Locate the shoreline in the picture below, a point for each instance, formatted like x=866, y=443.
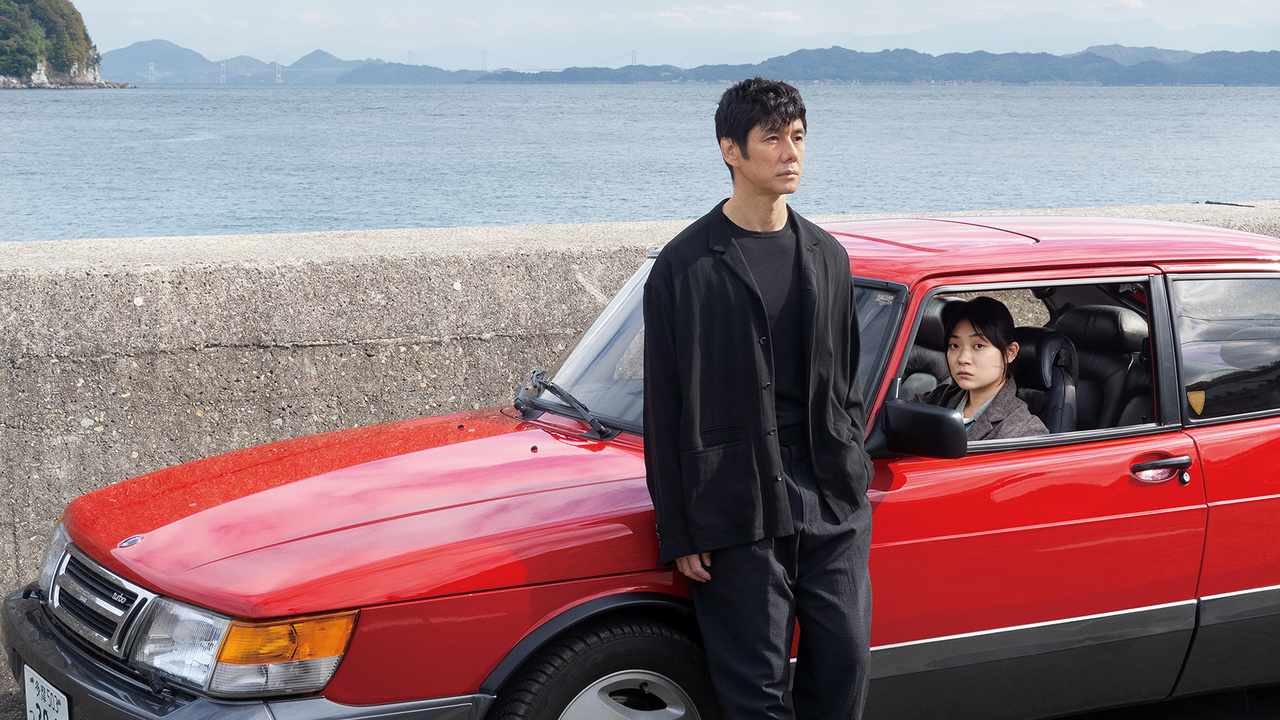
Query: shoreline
x=1257, y=216
x=8, y=83
x=44, y=78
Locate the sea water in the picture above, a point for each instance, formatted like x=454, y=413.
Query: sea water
x=205, y=160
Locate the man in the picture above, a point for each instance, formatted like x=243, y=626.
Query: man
x=754, y=424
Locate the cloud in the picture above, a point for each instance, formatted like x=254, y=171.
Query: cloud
x=685, y=14
x=314, y=19
x=1120, y=5
x=225, y=21
x=722, y=16
x=781, y=16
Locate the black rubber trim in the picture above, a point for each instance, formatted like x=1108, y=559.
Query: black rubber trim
x=1236, y=643
x=1165, y=353
x=576, y=615
x=1033, y=640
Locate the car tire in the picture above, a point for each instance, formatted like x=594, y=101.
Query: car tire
x=632, y=668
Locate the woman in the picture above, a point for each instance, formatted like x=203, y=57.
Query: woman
x=980, y=346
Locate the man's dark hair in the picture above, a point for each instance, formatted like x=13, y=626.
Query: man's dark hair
x=757, y=101
x=990, y=319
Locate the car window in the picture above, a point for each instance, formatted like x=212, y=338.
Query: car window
x=1100, y=330
x=878, y=317
x=1228, y=331
x=605, y=368
x=1026, y=308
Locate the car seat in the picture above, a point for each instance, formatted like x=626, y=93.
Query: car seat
x=1108, y=339
x=927, y=361
x=1047, y=372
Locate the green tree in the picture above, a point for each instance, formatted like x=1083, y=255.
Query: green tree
x=21, y=40
x=50, y=31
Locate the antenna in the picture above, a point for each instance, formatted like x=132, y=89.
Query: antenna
x=278, y=80
x=633, y=58
x=410, y=57
x=151, y=72
x=484, y=61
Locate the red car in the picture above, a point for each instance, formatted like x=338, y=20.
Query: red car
x=501, y=563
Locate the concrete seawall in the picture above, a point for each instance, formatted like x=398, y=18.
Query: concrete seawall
x=124, y=356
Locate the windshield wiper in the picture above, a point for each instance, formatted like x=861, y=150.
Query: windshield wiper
x=538, y=380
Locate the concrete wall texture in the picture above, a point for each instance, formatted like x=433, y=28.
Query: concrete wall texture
x=123, y=356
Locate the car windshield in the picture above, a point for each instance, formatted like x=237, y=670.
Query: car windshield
x=605, y=369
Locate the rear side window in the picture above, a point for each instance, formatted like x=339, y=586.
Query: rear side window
x=1229, y=338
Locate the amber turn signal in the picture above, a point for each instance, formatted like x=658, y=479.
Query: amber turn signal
x=306, y=638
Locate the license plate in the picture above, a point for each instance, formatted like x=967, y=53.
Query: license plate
x=44, y=701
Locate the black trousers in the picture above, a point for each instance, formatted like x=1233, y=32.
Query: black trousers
x=748, y=610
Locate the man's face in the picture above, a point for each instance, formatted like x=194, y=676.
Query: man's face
x=772, y=163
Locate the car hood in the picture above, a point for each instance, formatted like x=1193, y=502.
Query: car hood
x=409, y=510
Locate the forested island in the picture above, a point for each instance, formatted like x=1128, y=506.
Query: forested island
x=43, y=43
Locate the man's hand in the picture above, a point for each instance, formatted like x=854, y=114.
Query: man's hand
x=695, y=566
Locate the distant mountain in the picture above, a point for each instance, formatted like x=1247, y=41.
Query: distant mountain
x=1061, y=34
x=839, y=65
x=132, y=64
x=627, y=74
x=381, y=73
x=160, y=61
x=1228, y=68
x=321, y=60
x=163, y=62
x=1022, y=29
x=245, y=65
x=1133, y=56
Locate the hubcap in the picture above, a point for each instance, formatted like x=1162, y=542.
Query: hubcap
x=632, y=695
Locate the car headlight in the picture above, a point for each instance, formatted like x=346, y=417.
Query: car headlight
x=230, y=658
x=53, y=558
x=180, y=642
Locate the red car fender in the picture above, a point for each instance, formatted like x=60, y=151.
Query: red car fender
x=464, y=644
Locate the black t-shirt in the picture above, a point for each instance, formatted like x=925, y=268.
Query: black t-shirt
x=774, y=260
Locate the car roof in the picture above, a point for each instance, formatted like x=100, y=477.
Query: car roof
x=909, y=249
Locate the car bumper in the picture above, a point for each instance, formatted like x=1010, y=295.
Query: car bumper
x=97, y=691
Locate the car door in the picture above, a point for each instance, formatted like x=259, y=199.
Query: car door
x=1046, y=572
x=1227, y=329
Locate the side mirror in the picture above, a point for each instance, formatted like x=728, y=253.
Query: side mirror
x=913, y=428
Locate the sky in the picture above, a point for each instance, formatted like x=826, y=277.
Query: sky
x=553, y=34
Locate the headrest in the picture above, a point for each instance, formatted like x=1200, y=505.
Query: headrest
x=932, y=335
x=1040, y=350
x=1103, y=327
x=1252, y=348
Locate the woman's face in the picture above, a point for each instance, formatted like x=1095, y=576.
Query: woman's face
x=976, y=365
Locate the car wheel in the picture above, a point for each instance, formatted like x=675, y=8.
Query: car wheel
x=637, y=670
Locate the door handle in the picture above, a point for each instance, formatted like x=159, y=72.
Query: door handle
x=1154, y=472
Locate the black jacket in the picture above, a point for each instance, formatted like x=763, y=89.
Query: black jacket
x=711, y=446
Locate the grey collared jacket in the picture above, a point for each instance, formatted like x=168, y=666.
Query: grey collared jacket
x=1006, y=417
x=711, y=445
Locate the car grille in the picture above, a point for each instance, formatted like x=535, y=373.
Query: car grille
x=95, y=603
